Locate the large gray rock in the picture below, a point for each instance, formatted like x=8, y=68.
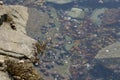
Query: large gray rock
x=15, y=44
x=111, y=51
x=110, y=56
x=12, y=42
x=4, y=76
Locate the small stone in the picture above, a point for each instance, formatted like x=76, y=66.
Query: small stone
x=107, y=50
x=66, y=61
x=76, y=13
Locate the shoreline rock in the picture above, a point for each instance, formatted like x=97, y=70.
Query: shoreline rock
x=15, y=43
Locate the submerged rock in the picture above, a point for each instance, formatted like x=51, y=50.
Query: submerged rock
x=96, y=16
x=59, y=1
x=111, y=51
x=76, y=13
x=111, y=16
x=110, y=56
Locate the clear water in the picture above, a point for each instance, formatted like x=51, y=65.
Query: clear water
x=77, y=40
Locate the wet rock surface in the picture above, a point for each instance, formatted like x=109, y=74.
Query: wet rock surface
x=36, y=20
x=4, y=76
x=110, y=56
x=111, y=51
x=14, y=42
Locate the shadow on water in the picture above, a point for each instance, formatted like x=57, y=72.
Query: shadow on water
x=102, y=72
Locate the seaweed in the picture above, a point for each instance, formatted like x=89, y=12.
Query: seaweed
x=21, y=70
x=39, y=49
x=40, y=46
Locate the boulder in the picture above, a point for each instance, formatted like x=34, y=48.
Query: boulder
x=4, y=76
x=14, y=42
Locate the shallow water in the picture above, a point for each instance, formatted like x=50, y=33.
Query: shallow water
x=75, y=41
